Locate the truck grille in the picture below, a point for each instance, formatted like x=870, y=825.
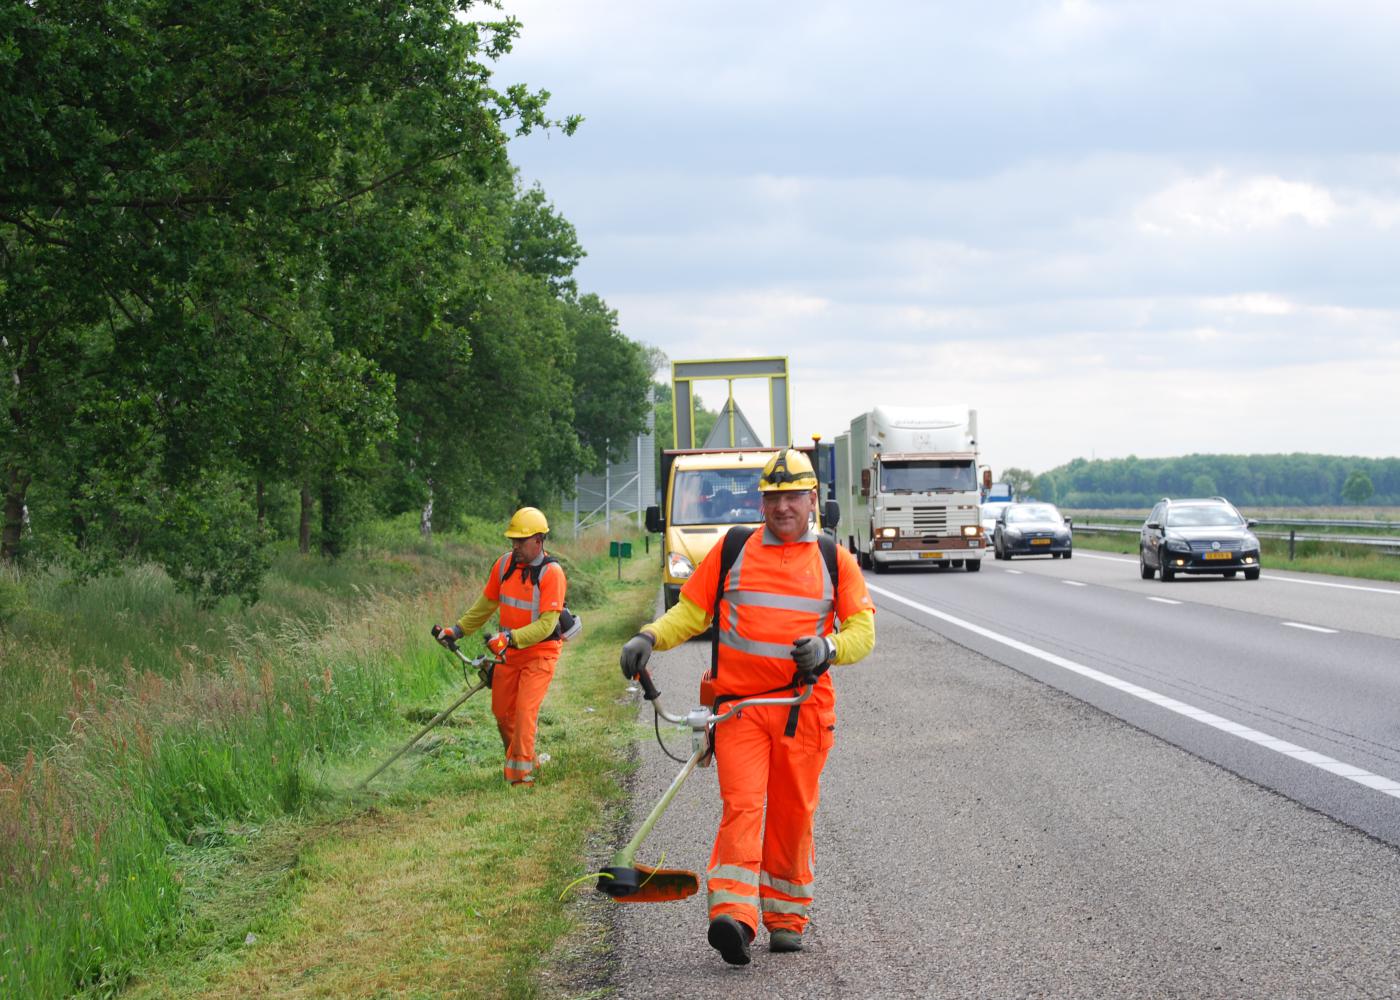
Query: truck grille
x=931, y=520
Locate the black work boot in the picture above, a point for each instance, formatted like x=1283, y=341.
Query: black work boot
x=731, y=939
x=782, y=939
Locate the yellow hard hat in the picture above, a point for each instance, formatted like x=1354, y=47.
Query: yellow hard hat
x=789, y=469
x=527, y=521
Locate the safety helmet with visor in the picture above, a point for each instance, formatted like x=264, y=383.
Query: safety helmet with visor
x=788, y=470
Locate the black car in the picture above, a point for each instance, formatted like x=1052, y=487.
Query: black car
x=1197, y=536
x=1032, y=529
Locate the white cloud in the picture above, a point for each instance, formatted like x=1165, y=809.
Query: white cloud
x=1219, y=204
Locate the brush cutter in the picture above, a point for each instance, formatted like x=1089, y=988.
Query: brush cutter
x=625, y=880
x=483, y=665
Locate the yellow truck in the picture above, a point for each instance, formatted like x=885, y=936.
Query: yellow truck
x=705, y=492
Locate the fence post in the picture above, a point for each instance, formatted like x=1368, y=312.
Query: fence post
x=1292, y=538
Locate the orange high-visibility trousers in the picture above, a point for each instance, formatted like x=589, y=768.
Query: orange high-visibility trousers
x=518, y=687
x=763, y=864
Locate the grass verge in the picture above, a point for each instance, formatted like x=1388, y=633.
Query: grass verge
x=442, y=883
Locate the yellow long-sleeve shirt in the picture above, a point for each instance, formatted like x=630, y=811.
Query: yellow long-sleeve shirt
x=479, y=613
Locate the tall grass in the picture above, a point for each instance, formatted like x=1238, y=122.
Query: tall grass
x=131, y=721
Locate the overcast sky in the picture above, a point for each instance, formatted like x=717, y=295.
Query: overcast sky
x=1112, y=228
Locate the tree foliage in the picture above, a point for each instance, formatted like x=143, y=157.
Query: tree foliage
x=278, y=249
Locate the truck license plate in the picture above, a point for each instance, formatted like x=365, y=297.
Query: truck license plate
x=930, y=555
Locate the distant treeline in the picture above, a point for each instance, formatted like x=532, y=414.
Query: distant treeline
x=1258, y=480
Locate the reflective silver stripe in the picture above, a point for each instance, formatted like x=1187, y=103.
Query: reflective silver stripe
x=790, y=888
x=779, y=650
x=520, y=765
x=515, y=602
x=771, y=905
x=787, y=602
x=737, y=873
x=717, y=896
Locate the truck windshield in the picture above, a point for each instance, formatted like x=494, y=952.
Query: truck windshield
x=928, y=477
x=717, y=496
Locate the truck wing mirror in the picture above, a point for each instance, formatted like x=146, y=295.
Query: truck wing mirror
x=831, y=515
x=865, y=482
x=654, y=522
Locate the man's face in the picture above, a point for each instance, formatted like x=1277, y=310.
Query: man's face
x=527, y=550
x=788, y=512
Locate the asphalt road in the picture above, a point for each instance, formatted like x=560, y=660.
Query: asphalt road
x=1298, y=675
x=985, y=834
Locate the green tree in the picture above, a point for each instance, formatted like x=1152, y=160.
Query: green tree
x=1358, y=487
x=1021, y=481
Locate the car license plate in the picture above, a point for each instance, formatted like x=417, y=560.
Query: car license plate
x=1220, y=555
x=930, y=555
x=1040, y=541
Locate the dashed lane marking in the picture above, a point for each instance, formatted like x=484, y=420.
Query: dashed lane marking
x=1073, y=583
x=1310, y=628
x=1163, y=600
x=1331, y=765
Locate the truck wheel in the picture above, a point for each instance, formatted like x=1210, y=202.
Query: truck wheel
x=865, y=561
x=973, y=565
x=877, y=566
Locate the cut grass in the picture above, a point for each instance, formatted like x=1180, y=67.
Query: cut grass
x=450, y=882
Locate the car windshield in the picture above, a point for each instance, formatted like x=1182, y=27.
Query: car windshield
x=1202, y=516
x=1032, y=512
x=953, y=476
x=717, y=496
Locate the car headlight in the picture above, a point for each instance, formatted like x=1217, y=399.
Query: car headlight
x=679, y=566
x=1178, y=545
x=971, y=530
x=889, y=532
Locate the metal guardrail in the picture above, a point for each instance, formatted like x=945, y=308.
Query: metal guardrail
x=1384, y=543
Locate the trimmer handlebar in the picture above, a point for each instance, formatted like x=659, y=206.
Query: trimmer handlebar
x=703, y=717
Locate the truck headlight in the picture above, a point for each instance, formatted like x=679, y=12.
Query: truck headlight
x=679, y=566
x=889, y=532
x=971, y=530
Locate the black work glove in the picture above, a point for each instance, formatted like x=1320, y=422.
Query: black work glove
x=635, y=653
x=812, y=654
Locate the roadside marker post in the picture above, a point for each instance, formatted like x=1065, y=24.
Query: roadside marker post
x=620, y=551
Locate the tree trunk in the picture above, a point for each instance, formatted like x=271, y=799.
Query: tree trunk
x=16, y=487
x=425, y=518
x=330, y=520
x=304, y=531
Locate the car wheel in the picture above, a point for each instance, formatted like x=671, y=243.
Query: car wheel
x=1145, y=571
x=1069, y=553
x=1251, y=574
x=1168, y=574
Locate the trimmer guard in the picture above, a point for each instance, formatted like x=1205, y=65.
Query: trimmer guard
x=642, y=884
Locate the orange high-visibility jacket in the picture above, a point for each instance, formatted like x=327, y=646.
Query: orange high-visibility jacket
x=521, y=602
x=776, y=592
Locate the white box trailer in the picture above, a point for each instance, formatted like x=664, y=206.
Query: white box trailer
x=908, y=478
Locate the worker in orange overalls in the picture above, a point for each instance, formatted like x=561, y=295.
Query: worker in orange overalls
x=528, y=586
x=775, y=628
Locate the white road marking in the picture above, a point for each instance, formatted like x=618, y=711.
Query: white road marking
x=1073, y=583
x=1017, y=572
x=1310, y=628
x=1338, y=586
x=1163, y=600
x=1351, y=772
x=1270, y=577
